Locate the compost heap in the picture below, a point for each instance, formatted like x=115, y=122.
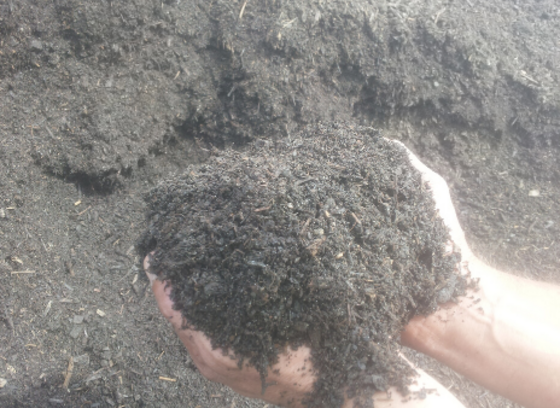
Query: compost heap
x=326, y=239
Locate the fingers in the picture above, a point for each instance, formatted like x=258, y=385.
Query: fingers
x=212, y=364
x=196, y=343
x=151, y=276
x=289, y=379
x=442, y=199
x=162, y=293
x=425, y=392
x=219, y=367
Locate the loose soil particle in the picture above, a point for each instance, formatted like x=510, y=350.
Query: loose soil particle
x=327, y=240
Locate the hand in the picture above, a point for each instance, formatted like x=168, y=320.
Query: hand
x=419, y=327
x=504, y=335
x=291, y=382
x=291, y=378
x=444, y=205
x=294, y=378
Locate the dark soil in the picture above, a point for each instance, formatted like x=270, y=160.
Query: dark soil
x=101, y=100
x=327, y=239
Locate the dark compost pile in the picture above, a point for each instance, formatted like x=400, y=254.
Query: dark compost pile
x=327, y=239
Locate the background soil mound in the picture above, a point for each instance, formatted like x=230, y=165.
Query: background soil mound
x=327, y=240
x=139, y=77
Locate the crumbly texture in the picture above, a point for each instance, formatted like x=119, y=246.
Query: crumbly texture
x=327, y=239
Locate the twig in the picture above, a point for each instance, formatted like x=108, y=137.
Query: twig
x=528, y=78
x=84, y=211
x=243, y=9
x=439, y=13
x=69, y=373
x=44, y=246
x=289, y=22
x=49, y=131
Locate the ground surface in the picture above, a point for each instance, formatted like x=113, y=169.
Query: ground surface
x=101, y=100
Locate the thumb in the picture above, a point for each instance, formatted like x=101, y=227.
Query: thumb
x=442, y=199
x=162, y=293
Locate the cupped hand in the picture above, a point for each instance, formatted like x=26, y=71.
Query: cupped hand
x=288, y=381
x=442, y=198
x=291, y=379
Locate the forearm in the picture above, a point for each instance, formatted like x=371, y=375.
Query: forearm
x=505, y=336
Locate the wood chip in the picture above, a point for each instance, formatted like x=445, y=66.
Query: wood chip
x=84, y=211
x=22, y=272
x=242, y=10
x=100, y=312
x=16, y=260
x=69, y=268
x=167, y=379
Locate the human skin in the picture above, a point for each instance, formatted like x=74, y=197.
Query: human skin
x=291, y=383
x=295, y=377
x=505, y=336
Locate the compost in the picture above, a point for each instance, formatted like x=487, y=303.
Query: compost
x=327, y=239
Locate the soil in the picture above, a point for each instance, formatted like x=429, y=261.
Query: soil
x=102, y=100
x=326, y=240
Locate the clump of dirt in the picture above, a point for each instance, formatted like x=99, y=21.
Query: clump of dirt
x=327, y=240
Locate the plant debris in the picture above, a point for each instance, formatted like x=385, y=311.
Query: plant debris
x=327, y=240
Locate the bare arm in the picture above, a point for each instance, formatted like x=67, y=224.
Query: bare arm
x=505, y=336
